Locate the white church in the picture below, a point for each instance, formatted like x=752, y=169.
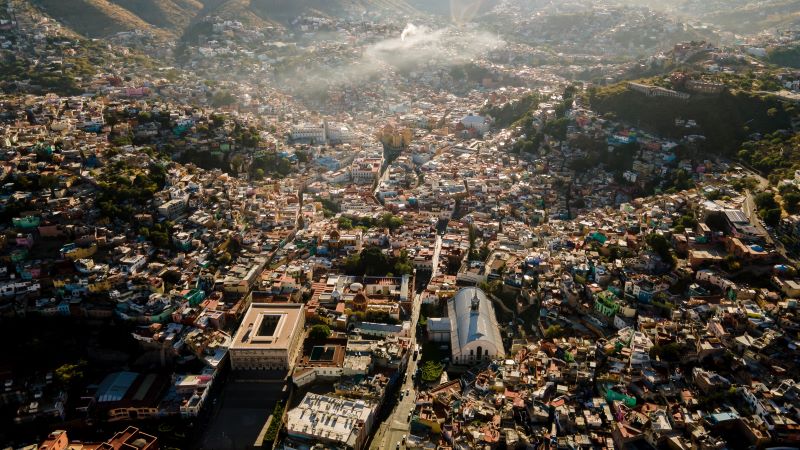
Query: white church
x=470, y=327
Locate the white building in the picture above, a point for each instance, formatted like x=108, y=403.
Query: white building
x=439, y=329
x=365, y=171
x=331, y=421
x=173, y=208
x=324, y=133
x=715, y=279
x=382, y=330
x=308, y=131
x=133, y=263
x=479, y=123
x=194, y=389
x=339, y=134
x=474, y=334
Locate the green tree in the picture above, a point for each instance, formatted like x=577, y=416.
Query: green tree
x=731, y=263
x=494, y=287
x=772, y=217
x=112, y=120
x=49, y=181
x=160, y=239
x=791, y=201
x=661, y=246
x=668, y=352
x=528, y=146
x=68, y=374
x=319, y=331
x=274, y=425
x=330, y=205
x=222, y=98
x=371, y=261
x=390, y=221
x=352, y=265
x=380, y=317
x=432, y=371
x=765, y=200
x=374, y=261
x=682, y=180
x=345, y=223
x=402, y=265
x=557, y=128
x=687, y=222
x=484, y=252
x=217, y=120
x=553, y=331
x=225, y=258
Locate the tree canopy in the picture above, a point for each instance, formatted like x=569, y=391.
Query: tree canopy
x=432, y=371
x=319, y=331
x=661, y=246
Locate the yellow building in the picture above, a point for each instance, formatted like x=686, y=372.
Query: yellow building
x=101, y=285
x=75, y=253
x=394, y=136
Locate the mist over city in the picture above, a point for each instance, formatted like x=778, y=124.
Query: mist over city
x=400, y=224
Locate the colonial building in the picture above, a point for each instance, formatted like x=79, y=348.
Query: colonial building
x=474, y=334
x=269, y=337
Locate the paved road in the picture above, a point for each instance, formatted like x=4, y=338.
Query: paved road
x=749, y=207
x=752, y=214
x=391, y=431
x=437, y=249
x=239, y=416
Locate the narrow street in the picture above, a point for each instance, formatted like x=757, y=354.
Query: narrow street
x=391, y=431
x=436, y=251
x=751, y=211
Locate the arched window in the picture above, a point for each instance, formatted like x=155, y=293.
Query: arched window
x=480, y=352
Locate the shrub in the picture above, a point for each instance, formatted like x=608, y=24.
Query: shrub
x=275, y=425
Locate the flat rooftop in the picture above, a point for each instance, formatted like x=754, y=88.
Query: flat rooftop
x=268, y=325
x=328, y=417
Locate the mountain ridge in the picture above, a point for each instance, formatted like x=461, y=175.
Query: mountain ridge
x=171, y=18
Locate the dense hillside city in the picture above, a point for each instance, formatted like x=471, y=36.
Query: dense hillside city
x=399, y=224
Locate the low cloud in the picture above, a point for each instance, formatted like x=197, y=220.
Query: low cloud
x=420, y=46
x=415, y=48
